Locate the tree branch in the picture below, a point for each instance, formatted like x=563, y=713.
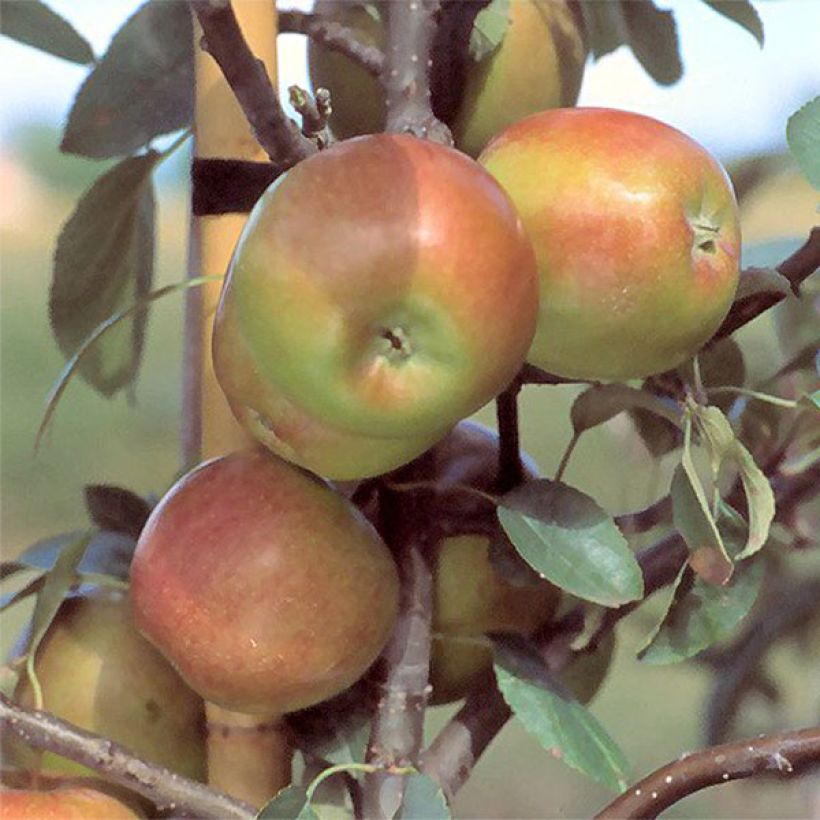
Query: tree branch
x=398, y=724
x=782, y=755
x=250, y=83
x=161, y=786
x=334, y=37
x=406, y=74
x=459, y=745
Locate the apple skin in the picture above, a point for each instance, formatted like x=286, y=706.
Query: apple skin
x=265, y=588
x=538, y=65
x=384, y=286
x=289, y=431
x=61, y=804
x=98, y=672
x=635, y=228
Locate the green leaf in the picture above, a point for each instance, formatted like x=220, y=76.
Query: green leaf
x=489, y=28
x=741, y=12
x=423, y=799
x=559, y=723
x=759, y=500
x=103, y=329
x=692, y=517
x=9, y=568
x=143, y=87
x=653, y=37
x=568, y=539
x=108, y=553
x=9, y=678
x=604, y=25
x=702, y=614
x=57, y=583
x=811, y=401
x=603, y=402
x=291, y=803
x=104, y=260
x=32, y=587
x=803, y=136
x=35, y=24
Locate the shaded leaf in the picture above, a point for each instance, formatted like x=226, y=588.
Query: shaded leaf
x=604, y=25
x=9, y=678
x=104, y=260
x=568, y=539
x=759, y=281
x=35, y=24
x=602, y=402
x=489, y=28
x=559, y=723
x=116, y=509
x=803, y=136
x=741, y=12
x=103, y=329
x=423, y=799
x=107, y=554
x=702, y=614
x=58, y=581
x=291, y=803
x=143, y=87
x=811, y=401
x=653, y=37
x=9, y=568
x=32, y=587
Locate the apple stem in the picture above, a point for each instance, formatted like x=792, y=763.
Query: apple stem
x=510, y=468
x=247, y=756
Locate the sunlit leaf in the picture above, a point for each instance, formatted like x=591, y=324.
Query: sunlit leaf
x=489, y=28
x=567, y=538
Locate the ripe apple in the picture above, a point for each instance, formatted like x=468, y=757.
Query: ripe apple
x=635, y=228
x=266, y=588
x=98, y=672
x=538, y=65
x=289, y=431
x=61, y=804
x=384, y=287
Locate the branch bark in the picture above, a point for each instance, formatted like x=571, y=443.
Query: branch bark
x=250, y=83
x=406, y=74
x=334, y=37
x=510, y=466
x=168, y=790
x=398, y=723
x=783, y=755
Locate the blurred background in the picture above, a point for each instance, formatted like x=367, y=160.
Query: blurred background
x=734, y=98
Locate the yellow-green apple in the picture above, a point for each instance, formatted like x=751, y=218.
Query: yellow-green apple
x=539, y=64
x=384, y=287
x=266, y=588
x=66, y=803
x=635, y=228
x=288, y=430
x=98, y=672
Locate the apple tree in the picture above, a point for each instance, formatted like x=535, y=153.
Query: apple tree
x=439, y=228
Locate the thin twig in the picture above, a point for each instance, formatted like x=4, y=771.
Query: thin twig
x=783, y=755
x=334, y=37
x=250, y=83
x=398, y=723
x=161, y=786
x=406, y=74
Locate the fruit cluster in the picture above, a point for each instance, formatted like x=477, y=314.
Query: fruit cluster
x=382, y=291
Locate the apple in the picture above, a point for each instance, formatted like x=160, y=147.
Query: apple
x=384, y=288
x=289, y=431
x=65, y=803
x=263, y=586
x=635, y=229
x=538, y=65
x=97, y=672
